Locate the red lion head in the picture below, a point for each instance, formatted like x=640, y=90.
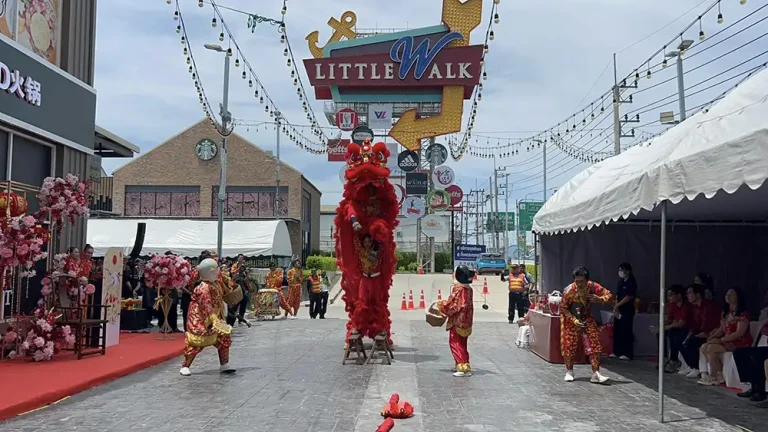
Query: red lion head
x=367, y=162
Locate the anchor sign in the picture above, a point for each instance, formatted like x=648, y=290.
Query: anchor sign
x=402, y=51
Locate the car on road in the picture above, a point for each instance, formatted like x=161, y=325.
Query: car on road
x=490, y=263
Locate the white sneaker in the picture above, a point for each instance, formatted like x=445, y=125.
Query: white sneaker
x=185, y=371
x=625, y=358
x=706, y=380
x=684, y=369
x=467, y=374
x=293, y=317
x=225, y=368
x=598, y=378
x=694, y=373
x=569, y=376
x=613, y=356
x=459, y=374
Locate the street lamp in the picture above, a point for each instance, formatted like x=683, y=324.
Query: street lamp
x=225, y=117
x=684, y=45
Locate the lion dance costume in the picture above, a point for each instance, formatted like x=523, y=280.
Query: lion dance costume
x=205, y=319
x=365, y=245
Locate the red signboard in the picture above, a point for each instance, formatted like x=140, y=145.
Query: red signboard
x=459, y=66
x=346, y=119
x=337, y=148
x=456, y=194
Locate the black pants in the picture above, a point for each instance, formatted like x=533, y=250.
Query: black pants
x=148, y=303
x=243, y=306
x=315, y=304
x=690, y=351
x=173, y=315
x=750, y=364
x=623, y=337
x=323, y=304
x=517, y=301
x=185, y=300
x=675, y=338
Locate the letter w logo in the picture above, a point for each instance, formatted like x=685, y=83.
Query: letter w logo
x=402, y=51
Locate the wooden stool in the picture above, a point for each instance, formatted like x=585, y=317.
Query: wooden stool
x=355, y=344
x=380, y=344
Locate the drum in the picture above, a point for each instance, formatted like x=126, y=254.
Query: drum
x=267, y=304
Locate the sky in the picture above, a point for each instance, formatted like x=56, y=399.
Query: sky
x=548, y=60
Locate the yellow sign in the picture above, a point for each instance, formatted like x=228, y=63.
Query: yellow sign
x=409, y=131
x=341, y=29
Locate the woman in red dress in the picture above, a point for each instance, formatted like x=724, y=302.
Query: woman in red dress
x=733, y=333
x=460, y=312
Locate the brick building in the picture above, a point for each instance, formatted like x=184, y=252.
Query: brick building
x=179, y=179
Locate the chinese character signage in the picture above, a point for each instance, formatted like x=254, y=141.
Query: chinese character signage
x=23, y=87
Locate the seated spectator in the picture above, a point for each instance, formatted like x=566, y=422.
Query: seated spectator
x=733, y=333
x=705, y=319
x=752, y=364
x=678, y=313
x=705, y=280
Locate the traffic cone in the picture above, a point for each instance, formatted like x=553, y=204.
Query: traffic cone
x=485, y=286
x=475, y=278
x=421, y=270
x=410, y=300
x=439, y=295
x=421, y=301
x=403, y=306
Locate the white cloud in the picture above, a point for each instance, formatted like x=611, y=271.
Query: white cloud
x=545, y=57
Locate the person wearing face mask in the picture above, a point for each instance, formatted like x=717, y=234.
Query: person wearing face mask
x=624, y=314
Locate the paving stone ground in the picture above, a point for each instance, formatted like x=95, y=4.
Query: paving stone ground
x=290, y=378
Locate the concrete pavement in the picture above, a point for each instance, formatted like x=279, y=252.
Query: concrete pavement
x=290, y=378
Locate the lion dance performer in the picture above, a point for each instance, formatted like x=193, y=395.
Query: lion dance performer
x=460, y=312
x=274, y=280
x=577, y=323
x=205, y=320
x=365, y=245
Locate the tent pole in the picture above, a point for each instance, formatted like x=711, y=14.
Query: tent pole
x=662, y=295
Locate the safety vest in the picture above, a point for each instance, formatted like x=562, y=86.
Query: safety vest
x=316, y=284
x=516, y=283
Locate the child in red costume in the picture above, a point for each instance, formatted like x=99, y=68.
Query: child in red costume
x=460, y=311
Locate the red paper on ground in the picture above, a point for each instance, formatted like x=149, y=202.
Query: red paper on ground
x=29, y=385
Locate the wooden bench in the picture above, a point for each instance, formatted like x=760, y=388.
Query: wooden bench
x=355, y=344
x=381, y=346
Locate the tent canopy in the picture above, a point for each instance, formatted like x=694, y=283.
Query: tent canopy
x=190, y=237
x=719, y=150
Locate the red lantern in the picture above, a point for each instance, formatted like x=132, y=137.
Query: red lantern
x=16, y=204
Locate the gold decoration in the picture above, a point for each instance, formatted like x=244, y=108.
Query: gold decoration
x=198, y=341
x=409, y=131
x=462, y=18
x=341, y=29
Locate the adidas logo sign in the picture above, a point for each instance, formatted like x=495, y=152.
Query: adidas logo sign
x=408, y=162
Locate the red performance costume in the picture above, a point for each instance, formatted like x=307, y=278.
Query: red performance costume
x=459, y=309
x=295, y=282
x=578, y=325
x=274, y=280
x=365, y=223
x=205, y=319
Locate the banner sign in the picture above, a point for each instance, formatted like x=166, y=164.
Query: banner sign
x=380, y=116
x=111, y=290
x=438, y=200
x=408, y=160
x=434, y=226
x=467, y=254
x=360, y=134
x=416, y=183
x=337, y=148
x=456, y=194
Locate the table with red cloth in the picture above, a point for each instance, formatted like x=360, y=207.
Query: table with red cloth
x=545, y=338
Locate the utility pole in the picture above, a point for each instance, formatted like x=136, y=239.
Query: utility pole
x=225, y=116
x=616, y=115
x=544, y=170
x=277, y=164
x=496, y=204
x=431, y=188
x=506, y=214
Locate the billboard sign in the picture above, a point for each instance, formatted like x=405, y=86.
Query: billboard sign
x=527, y=211
x=456, y=194
x=416, y=183
x=346, y=119
x=443, y=176
x=414, y=207
x=380, y=116
x=467, y=254
x=337, y=149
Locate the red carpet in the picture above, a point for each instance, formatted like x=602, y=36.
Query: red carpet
x=28, y=385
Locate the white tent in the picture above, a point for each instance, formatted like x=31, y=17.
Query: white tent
x=620, y=209
x=190, y=237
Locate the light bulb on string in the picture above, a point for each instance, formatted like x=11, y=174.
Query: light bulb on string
x=221, y=37
x=237, y=62
x=702, y=36
x=189, y=61
x=213, y=22
x=285, y=52
x=168, y=1
x=719, y=14
x=491, y=35
x=496, y=18
x=250, y=83
x=229, y=52
x=648, y=75
x=175, y=15
x=178, y=29
x=282, y=38
x=664, y=64
x=497, y=1
x=485, y=49
x=200, y=3
x=283, y=10
x=244, y=75
x=288, y=63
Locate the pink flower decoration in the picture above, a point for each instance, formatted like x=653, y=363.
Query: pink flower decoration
x=90, y=289
x=10, y=337
x=6, y=253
